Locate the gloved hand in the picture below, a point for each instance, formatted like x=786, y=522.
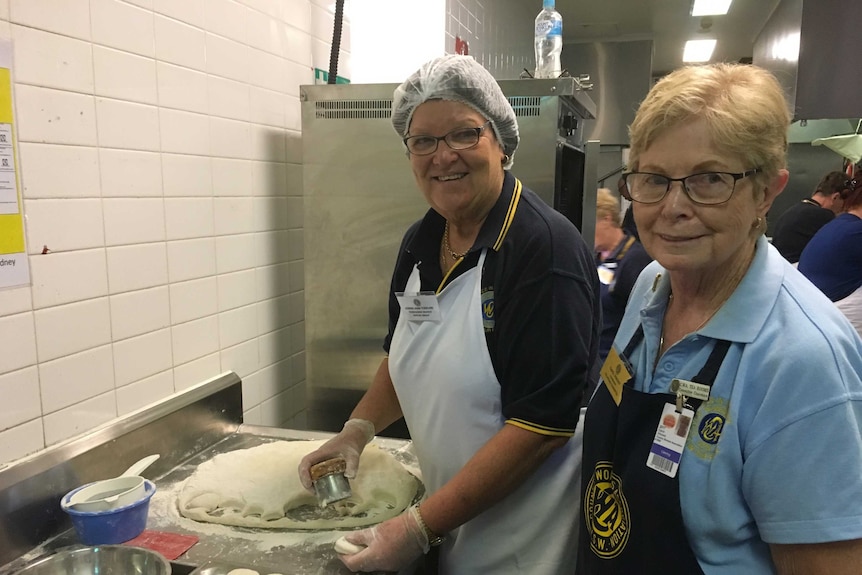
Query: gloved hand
x=349, y=443
x=390, y=546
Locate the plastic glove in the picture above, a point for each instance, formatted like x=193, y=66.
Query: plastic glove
x=390, y=546
x=349, y=443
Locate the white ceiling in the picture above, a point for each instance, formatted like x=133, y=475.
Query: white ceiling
x=668, y=23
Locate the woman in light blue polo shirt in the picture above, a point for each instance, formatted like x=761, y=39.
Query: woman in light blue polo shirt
x=727, y=437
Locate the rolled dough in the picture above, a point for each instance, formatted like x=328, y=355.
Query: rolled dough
x=259, y=487
x=345, y=547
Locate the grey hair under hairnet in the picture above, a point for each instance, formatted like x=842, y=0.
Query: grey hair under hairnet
x=459, y=79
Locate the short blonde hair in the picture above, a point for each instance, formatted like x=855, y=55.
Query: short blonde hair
x=743, y=105
x=607, y=204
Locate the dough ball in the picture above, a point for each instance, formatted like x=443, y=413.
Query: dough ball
x=242, y=571
x=345, y=547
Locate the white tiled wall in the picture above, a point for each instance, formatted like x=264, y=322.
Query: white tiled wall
x=499, y=33
x=160, y=168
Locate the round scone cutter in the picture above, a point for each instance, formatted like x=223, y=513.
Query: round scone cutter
x=330, y=484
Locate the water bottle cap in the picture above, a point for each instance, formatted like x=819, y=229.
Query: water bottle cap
x=547, y=4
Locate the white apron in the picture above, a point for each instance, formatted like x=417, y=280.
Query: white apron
x=450, y=398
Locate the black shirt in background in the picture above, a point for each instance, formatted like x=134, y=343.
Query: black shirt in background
x=629, y=226
x=796, y=227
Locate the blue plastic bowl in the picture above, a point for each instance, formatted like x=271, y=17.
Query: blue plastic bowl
x=111, y=526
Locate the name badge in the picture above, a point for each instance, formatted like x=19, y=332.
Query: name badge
x=690, y=389
x=420, y=306
x=669, y=441
x=606, y=273
x=615, y=373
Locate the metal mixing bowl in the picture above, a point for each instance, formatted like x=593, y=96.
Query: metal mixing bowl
x=101, y=560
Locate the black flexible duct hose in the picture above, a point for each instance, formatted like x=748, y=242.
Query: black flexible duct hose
x=336, y=42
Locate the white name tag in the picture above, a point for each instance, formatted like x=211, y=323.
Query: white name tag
x=690, y=389
x=669, y=441
x=421, y=306
x=606, y=273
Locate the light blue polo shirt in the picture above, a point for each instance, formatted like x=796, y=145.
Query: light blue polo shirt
x=775, y=454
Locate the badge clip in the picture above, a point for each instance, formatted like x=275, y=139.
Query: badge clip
x=680, y=402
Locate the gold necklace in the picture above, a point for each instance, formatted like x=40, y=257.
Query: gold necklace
x=735, y=279
x=455, y=256
x=703, y=323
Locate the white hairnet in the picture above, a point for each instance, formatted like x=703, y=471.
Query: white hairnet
x=459, y=79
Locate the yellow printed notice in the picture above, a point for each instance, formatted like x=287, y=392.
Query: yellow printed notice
x=14, y=265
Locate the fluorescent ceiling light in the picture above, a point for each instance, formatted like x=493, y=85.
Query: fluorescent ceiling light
x=710, y=7
x=698, y=50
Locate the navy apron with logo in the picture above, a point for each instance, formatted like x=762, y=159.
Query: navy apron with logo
x=631, y=517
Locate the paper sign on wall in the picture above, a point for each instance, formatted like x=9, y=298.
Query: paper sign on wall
x=14, y=265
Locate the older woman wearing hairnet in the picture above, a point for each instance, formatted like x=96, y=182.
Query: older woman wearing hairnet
x=489, y=391
x=727, y=436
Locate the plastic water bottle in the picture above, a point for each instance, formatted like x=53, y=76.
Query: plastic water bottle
x=548, y=41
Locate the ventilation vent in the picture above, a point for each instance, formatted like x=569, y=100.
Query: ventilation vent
x=372, y=109
x=526, y=105
x=353, y=109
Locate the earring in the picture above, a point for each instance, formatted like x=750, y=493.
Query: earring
x=505, y=159
x=758, y=222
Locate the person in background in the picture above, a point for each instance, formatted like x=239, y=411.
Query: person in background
x=725, y=435
x=798, y=224
x=490, y=381
x=620, y=257
x=628, y=224
x=832, y=260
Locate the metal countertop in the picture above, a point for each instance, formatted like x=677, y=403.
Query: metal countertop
x=187, y=429
x=264, y=550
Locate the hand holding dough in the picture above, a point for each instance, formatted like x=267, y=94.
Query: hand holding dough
x=345, y=547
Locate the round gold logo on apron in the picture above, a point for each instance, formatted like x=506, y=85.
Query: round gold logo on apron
x=606, y=511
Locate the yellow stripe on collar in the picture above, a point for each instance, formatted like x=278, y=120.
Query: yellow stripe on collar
x=507, y=223
x=510, y=214
x=446, y=277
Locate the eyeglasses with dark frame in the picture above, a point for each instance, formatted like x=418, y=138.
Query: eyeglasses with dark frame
x=705, y=188
x=458, y=139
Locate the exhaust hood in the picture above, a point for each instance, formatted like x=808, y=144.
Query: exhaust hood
x=813, y=47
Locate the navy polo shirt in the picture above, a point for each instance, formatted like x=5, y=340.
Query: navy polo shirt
x=543, y=333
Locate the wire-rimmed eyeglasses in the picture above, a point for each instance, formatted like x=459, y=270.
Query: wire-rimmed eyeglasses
x=705, y=188
x=458, y=139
